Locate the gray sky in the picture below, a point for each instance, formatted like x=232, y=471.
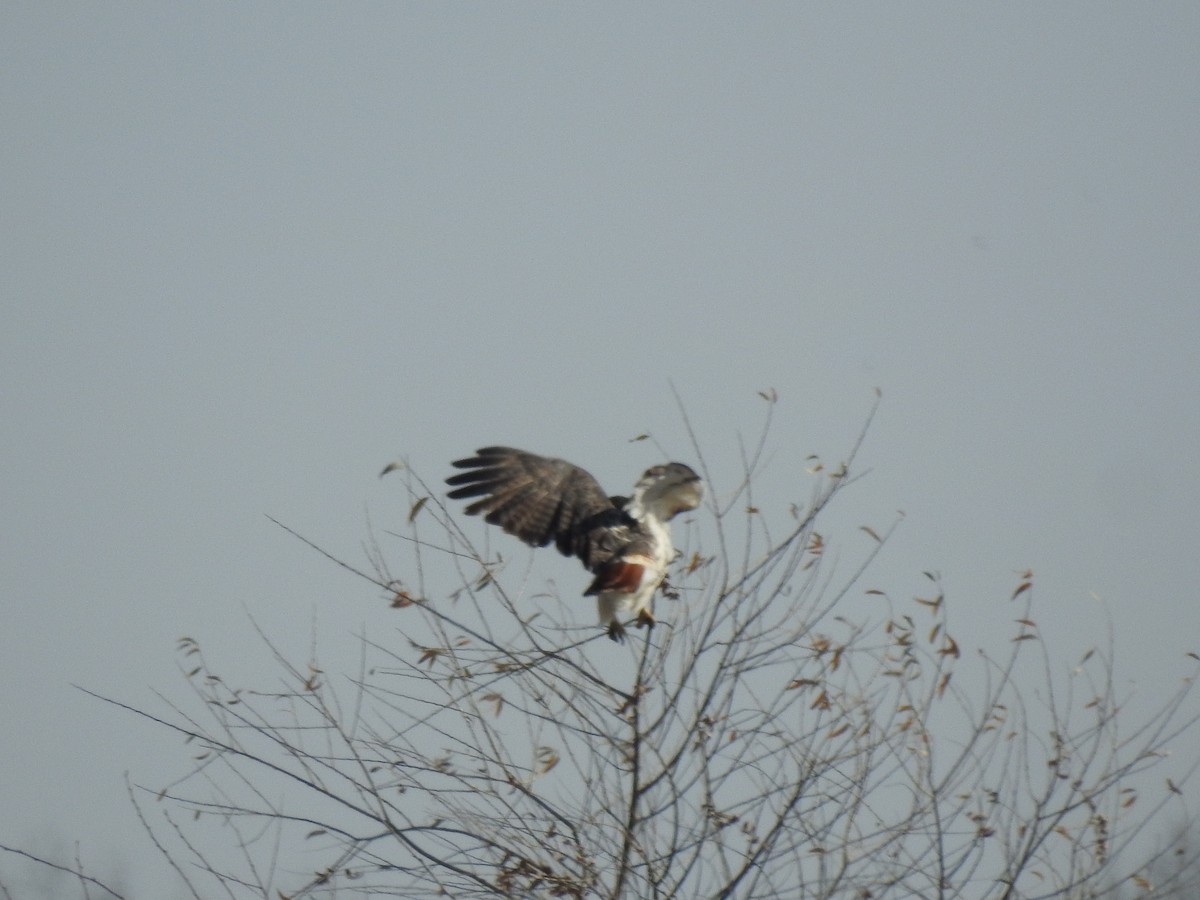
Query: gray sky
x=254, y=252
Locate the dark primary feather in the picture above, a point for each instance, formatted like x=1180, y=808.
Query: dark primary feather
x=539, y=499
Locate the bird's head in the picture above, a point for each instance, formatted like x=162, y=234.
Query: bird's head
x=668, y=490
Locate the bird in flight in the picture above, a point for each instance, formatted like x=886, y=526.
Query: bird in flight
x=625, y=542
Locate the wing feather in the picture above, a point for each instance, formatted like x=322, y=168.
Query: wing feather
x=539, y=499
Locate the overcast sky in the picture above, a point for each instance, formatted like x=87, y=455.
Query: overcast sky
x=252, y=252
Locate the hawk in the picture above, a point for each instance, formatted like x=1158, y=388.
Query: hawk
x=624, y=542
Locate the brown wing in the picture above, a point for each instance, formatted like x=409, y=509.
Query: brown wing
x=539, y=499
x=622, y=571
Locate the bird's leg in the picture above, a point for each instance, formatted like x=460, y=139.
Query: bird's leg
x=645, y=619
x=667, y=591
x=616, y=631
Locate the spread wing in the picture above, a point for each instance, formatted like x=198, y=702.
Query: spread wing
x=539, y=499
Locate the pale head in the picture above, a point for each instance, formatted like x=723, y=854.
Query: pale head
x=667, y=490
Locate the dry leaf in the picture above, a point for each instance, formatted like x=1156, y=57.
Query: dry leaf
x=497, y=699
x=429, y=654
x=801, y=682
x=416, y=508
x=941, y=688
